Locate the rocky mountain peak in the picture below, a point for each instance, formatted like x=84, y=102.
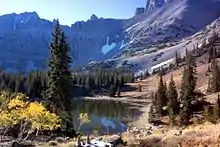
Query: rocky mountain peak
x=139, y=11
x=94, y=17
x=152, y=4
x=28, y=16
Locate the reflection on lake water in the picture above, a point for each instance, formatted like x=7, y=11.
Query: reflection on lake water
x=106, y=117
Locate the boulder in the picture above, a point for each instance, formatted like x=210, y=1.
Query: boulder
x=116, y=140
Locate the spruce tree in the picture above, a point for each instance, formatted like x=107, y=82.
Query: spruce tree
x=216, y=110
x=172, y=100
x=147, y=74
x=210, y=53
x=3, y=85
x=177, y=58
x=166, y=90
x=118, y=92
x=112, y=91
x=161, y=97
x=152, y=112
x=215, y=76
x=188, y=89
x=59, y=92
x=162, y=92
x=139, y=88
x=209, y=85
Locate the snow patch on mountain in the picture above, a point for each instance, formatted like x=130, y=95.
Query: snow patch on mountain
x=131, y=27
x=162, y=64
x=106, y=48
x=123, y=44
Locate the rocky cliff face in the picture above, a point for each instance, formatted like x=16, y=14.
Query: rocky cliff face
x=170, y=22
x=139, y=11
x=24, y=40
x=152, y=4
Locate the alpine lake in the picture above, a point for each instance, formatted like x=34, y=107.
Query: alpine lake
x=105, y=117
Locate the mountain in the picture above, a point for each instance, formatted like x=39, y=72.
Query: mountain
x=25, y=37
x=171, y=22
x=152, y=4
x=157, y=34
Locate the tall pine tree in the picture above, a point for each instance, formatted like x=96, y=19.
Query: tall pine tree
x=216, y=110
x=161, y=97
x=60, y=84
x=215, y=76
x=188, y=89
x=172, y=100
x=177, y=58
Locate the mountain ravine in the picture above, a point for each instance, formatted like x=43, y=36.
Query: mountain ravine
x=25, y=37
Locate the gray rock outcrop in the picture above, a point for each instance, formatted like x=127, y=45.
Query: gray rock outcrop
x=139, y=11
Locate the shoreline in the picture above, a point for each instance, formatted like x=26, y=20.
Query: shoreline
x=119, y=99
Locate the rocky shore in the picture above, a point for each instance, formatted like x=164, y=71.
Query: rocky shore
x=122, y=99
x=143, y=132
x=132, y=132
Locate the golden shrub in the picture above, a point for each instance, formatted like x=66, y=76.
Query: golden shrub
x=34, y=113
x=16, y=104
x=84, y=118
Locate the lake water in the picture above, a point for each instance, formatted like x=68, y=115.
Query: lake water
x=106, y=117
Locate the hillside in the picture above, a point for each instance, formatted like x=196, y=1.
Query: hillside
x=155, y=56
x=199, y=133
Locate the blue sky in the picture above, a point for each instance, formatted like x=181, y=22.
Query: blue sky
x=69, y=11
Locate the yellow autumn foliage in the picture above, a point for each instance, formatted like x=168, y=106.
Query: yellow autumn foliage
x=16, y=103
x=8, y=119
x=40, y=117
x=17, y=110
x=84, y=118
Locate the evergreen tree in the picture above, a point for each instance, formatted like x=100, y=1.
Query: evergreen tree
x=172, y=96
x=162, y=71
x=210, y=53
x=3, y=85
x=209, y=85
x=11, y=85
x=177, y=58
x=112, y=91
x=147, y=74
x=166, y=90
x=216, y=109
x=121, y=80
x=139, y=88
x=59, y=92
x=162, y=92
x=152, y=112
x=172, y=100
x=19, y=87
x=118, y=92
x=188, y=89
x=161, y=98
x=215, y=76
x=141, y=76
